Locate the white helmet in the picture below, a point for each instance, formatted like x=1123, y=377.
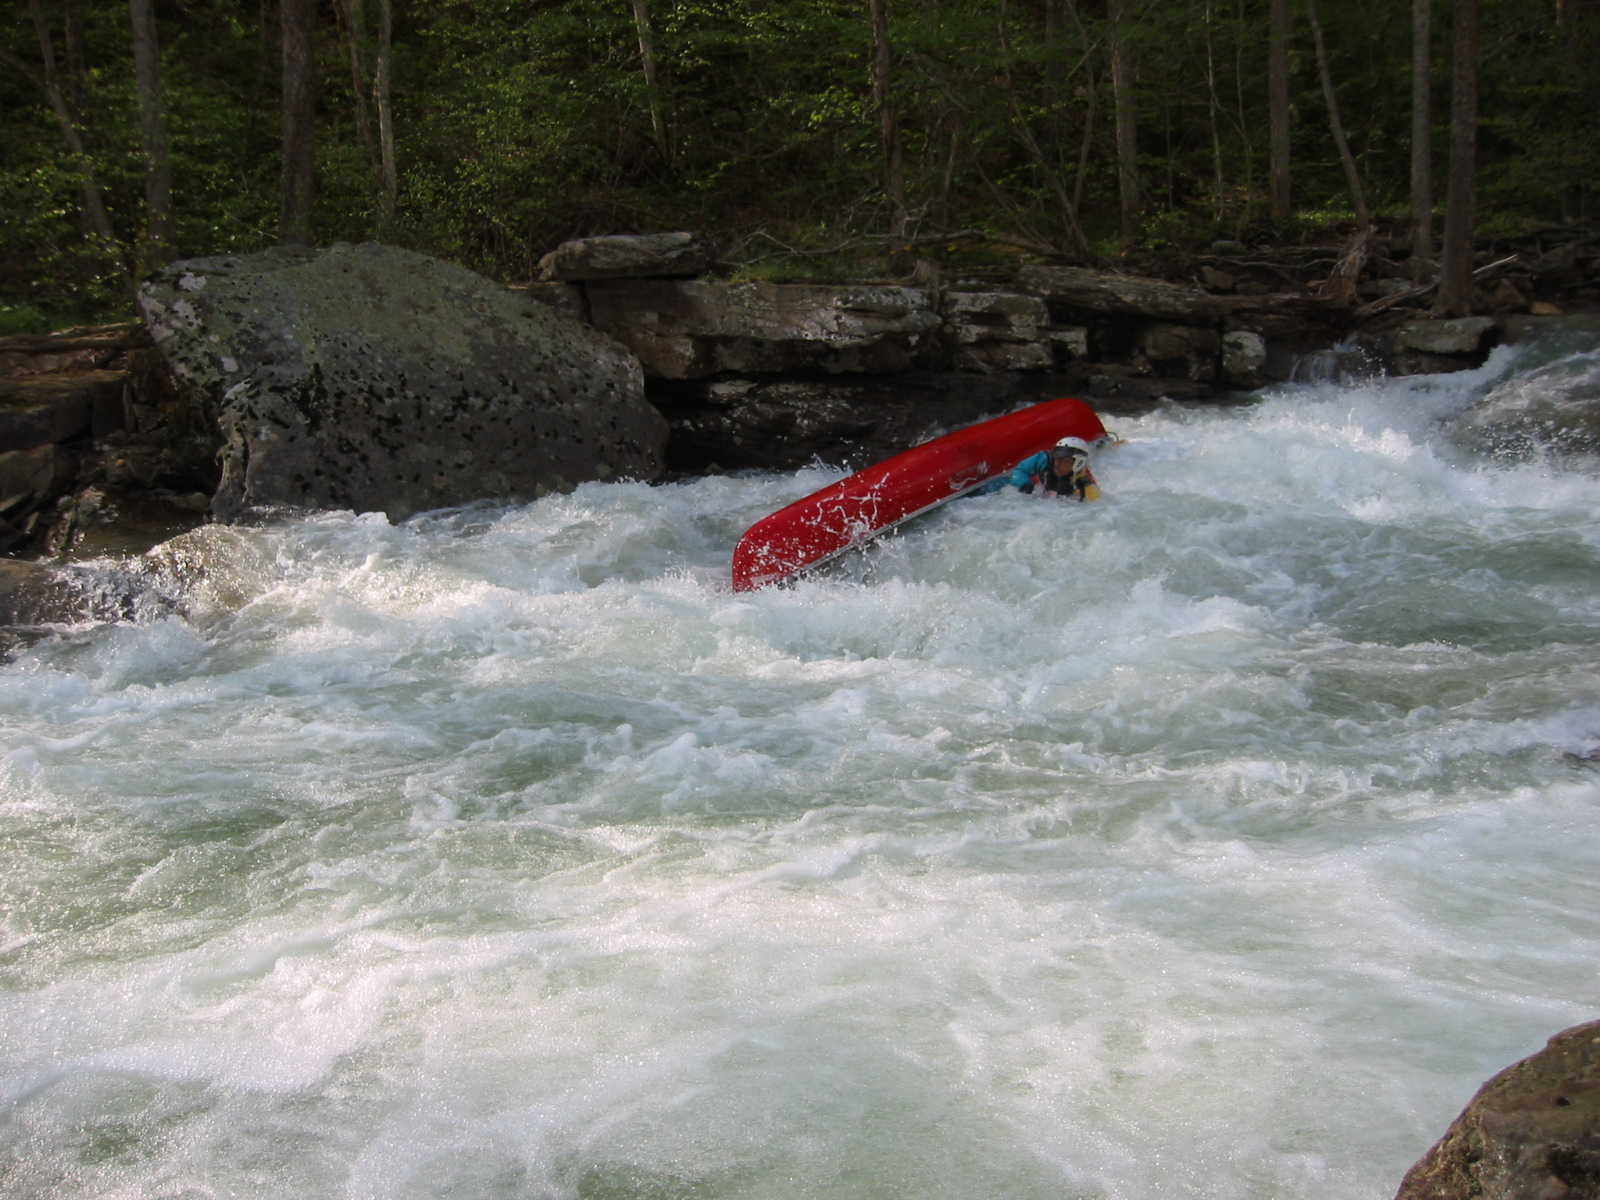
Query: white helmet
x=1077, y=445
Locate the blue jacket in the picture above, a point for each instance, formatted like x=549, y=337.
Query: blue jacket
x=1033, y=473
x=1020, y=476
x=1025, y=472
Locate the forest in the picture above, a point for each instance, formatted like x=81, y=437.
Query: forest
x=804, y=136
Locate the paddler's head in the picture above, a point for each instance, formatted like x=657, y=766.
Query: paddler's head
x=1070, y=458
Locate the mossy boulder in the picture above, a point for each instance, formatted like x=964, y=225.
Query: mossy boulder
x=375, y=379
x=1531, y=1133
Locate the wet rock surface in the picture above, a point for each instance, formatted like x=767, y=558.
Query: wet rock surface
x=1531, y=1133
x=375, y=379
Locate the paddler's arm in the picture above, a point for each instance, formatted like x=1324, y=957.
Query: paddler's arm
x=1022, y=474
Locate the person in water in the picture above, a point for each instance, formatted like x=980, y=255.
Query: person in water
x=1063, y=470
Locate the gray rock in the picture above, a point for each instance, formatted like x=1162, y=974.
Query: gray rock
x=372, y=378
x=45, y=408
x=1460, y=335
x=1531, y=1133
x=1083, y=290
x=1244, y=359
x=628, y=256
x=997, y=331
x=32, y=594
x=694, y=329
x=1177, y=351
x=27, y=475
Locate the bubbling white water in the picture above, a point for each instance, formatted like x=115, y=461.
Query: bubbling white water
x=1212, y=840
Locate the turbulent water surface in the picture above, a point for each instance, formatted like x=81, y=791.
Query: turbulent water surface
x=1213, y=841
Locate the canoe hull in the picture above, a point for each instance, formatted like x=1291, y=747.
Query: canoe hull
x=854, y=510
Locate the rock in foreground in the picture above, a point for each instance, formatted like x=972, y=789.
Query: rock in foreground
x=375, y=379
x=1531, y=1133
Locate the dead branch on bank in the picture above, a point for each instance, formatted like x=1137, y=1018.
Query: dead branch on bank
x=1384, y=303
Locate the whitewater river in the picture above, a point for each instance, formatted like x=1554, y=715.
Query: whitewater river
x=1212, y=841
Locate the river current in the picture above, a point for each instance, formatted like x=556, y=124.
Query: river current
x=1215, y=840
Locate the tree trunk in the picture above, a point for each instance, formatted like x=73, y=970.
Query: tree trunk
x=888, y=127
x=1352, y=176
x=1091, y=113
x=1123, y=68
x=1213, y=118
x=371, y=93
x=354, y=13
x=1455, y=275
x=382, y=99
x=159, y=240
x=1278, y=108
x=652, y=86
x=1421, y=138
x=297, y=18
x=95, y=218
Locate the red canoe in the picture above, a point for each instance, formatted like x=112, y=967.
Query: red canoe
x=854, y=510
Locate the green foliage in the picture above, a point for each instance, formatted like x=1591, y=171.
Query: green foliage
x=24, y=318
x=518, y=125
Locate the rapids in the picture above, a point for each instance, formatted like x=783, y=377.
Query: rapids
x=1215, y=840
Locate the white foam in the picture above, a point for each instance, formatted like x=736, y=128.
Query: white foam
x=1210, y=840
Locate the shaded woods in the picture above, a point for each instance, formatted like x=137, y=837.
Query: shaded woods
x=1074, y=130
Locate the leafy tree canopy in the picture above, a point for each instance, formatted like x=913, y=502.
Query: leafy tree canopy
x=516, y=125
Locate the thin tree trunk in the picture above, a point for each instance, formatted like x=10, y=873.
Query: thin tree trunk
x=1091, y=112
x=1091, y=108
x=1278, y=108
x=159, y=244
x=1213, y=119
x=1352, y=176
x=297, y=18
x=371, y=93
x=1242, y=124
x=382, y=98
x=888, y=127
x=1421, y=137
x=354, y=13
x=652, y=85
x=1122, y=76
x=95, y=218
x=1455, y=275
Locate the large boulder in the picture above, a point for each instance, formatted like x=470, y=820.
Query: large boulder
x=1533, y=1131
x=371, y=378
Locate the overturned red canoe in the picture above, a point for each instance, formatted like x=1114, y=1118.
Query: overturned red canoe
x=854, y=510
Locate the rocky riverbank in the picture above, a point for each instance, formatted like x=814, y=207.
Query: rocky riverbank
x=372, y=378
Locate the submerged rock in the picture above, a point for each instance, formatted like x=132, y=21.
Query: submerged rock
x=1531, y=1133
x=375, y=379
x=1551, y=409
